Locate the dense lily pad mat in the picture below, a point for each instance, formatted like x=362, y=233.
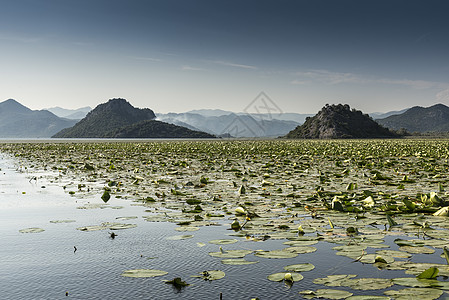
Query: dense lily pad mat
x=356, y=195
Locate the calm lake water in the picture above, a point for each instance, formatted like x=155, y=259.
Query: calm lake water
x=45, y=266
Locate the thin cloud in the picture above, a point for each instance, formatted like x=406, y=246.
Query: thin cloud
x=332, y=78
x=231, y=64
x=146, y=58
x=189, y=68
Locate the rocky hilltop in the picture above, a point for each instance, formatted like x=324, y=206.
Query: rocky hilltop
x=117, y=118
x=339, y=122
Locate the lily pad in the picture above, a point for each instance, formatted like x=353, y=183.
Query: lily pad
x=326, y=294
x=276, y=254
x=179, y=237
x=32, y=230
x=299, y=267
x=223, y=242
x=140, y=273
x=414, y=293
x=280, y=276
x=237, y=261
x=231, y=253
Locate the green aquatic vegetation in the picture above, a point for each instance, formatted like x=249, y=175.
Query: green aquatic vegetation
x=325, y=294
x=31, y=230
x=283, y=276
x=142, y=273
x=356, y=194
x=210, y=275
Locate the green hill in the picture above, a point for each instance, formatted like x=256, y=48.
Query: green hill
x=158, y=129
x=337, y=122
x=420, y=119
x=105, y=119
x=119, y=119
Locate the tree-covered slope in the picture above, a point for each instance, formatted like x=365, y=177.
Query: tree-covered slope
x=420, y=119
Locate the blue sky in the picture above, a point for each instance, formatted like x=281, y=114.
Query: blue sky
x=175, y=56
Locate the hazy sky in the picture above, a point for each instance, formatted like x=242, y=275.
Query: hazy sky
x=167, y=55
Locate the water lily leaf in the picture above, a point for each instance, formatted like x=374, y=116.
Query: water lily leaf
x=300, y=243
x=223, y=241
x=140, y=273
x=394, y=253
x=368, y=297
x=186, y=228
x=126, y=218
x=230, y=253
x=276, y=254
x=31, y=230
x=122, y=226
x=210, y=275
x=299, y=267
x=333, y=280
x=237, y=261
x=417, y=250
x=280, y=276
x=179, y=237
x=414, y=293
x=300, y=249
x=200, y=244
x=326, y=294
x=424, y=283
x=429, y=273
x=62, y=221
x=367, y=283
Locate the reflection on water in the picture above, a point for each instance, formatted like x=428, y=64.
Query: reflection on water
x=45, y=265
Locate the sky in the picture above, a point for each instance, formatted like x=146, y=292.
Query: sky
x=180, y=55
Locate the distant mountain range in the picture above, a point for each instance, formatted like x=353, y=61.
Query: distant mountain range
x=117, y=118
x=224, y=123
x=337, y=122
x=73, y=114
x=18, y=121
x=420, y=119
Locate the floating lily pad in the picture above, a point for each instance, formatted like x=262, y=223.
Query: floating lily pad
x=122, y=226
x=326, y=294
x=179, y=237
x=417, y=250
x=333, y=280
x=366, y=297
x=237, y=261
x=276, y=254
x=299, y=267
x=31, y=230
x=62, y=221
x=223, y=242
x=280, y=276
x=414, y=293
x=230, y=253
x=186, y=228
x=140, y=273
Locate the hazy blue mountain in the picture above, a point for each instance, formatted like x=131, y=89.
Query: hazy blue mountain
x=18, y=121
x=75, y=114
x=299, y=118
x=380, y=115
x=236, y=125
x=339, y=121
x=420, y=119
